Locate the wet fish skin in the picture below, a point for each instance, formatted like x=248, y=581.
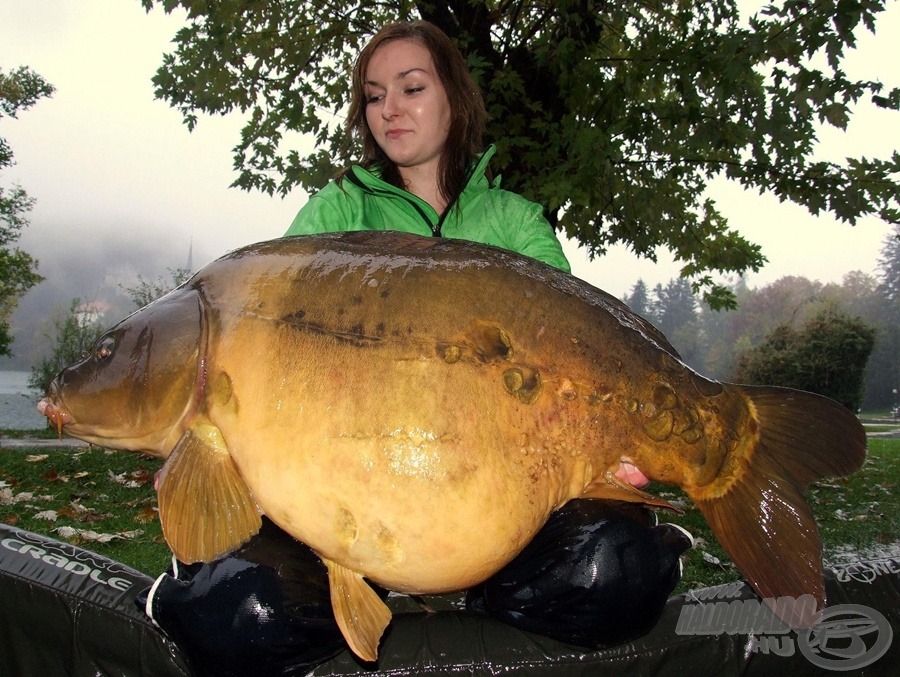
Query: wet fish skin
x=415, y=408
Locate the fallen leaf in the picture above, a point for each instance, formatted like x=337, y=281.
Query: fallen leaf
x=8, y=498
x=712, y=559
x=36, y=458
x=93, y=516
x=844, y=517
x=11, y=520
x=54, y=476
x=146, y=515
x=124, y=479
x=49, y=515
x=68, y=511
x=142, y=476
x=95, y=537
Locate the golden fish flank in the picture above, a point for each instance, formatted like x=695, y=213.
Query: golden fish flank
x=412, y=453
x=362, y=388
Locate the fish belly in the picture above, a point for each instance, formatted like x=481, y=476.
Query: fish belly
x=421, y=475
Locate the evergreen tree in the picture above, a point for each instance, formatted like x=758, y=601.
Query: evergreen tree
x=639, y=300
x=883, y=375
x=676, y=317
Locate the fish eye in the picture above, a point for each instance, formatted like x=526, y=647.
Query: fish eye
x=104, y=348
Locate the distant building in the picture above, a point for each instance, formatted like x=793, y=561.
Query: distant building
x=91, y=313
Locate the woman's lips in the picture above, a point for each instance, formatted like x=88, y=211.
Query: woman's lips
x=396, y=133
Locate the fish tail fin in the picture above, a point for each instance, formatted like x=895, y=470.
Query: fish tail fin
x=758, y=512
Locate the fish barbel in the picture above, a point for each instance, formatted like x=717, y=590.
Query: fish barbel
x=414, y=409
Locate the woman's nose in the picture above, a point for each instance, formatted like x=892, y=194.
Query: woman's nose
x=391, y=107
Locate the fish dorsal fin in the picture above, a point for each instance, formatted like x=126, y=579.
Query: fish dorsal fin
x=613, y=489
x=358, y=610
x=205, y=506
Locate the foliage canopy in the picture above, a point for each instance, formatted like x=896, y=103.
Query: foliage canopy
x=19, y=90
x=614, y=116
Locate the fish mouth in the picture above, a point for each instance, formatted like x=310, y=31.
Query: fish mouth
x=58, y=416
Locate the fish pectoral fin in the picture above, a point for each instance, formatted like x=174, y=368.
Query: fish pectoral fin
x=611, y=488
x=205, y=506
x=358, y=610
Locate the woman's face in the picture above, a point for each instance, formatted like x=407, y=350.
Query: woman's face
x=407, y=108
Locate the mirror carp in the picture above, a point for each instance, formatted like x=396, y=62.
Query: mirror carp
x=414, y=409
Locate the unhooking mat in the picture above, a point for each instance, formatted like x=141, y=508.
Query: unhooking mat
x=67, y=611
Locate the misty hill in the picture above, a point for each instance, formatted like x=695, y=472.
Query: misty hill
x=91, y=271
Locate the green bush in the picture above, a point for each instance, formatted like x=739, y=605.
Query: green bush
x=827, y=355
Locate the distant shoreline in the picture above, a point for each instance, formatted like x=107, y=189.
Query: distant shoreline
x=18, y=402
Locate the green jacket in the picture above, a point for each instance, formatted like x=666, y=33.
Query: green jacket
x=484, y=213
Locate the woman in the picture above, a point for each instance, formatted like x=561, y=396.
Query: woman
x=420, y=118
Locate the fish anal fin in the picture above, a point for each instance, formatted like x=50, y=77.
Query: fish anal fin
x=360, y=613
x=611, y=488
x=205, y=507
x=758, y=513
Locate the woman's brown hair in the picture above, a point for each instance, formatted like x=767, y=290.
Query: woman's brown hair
x=464, y=139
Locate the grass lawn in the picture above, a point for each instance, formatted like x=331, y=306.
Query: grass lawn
x=107, y=497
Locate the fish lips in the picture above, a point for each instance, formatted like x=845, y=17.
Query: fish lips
x=55, y=413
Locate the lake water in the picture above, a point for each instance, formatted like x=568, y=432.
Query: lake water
x=17, y=402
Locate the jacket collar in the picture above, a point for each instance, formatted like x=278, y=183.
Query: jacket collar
x=370, y=179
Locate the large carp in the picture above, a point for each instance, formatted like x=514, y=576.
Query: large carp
x=414, y=409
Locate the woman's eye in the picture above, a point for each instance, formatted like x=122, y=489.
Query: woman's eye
x=374, y=98
x=414, y=90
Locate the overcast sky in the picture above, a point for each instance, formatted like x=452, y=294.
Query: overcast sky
x=112, y=168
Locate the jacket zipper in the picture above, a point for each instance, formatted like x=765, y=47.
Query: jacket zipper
x=442, y=218
x=435, y=230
